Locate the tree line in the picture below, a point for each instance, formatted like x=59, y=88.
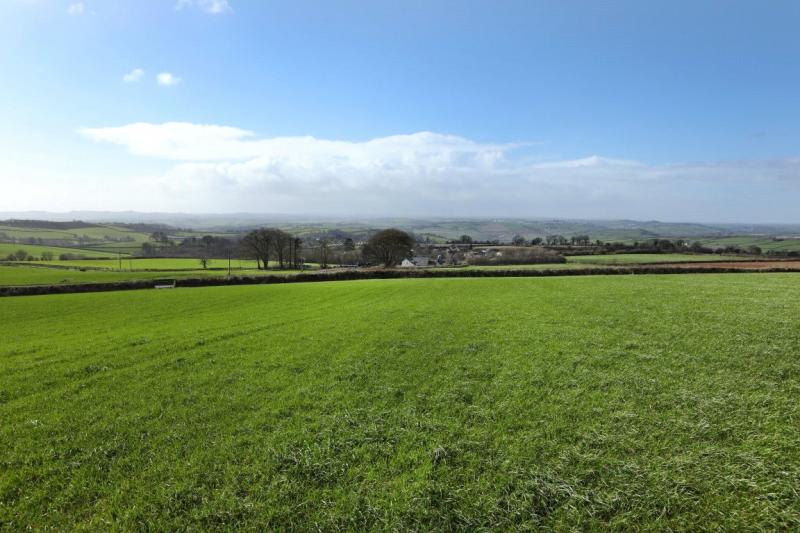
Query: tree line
x=271, y=244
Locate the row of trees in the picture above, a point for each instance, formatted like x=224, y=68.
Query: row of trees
x=654, y=245
x=47, y=255
x=267, y=244
x=22, y=255
x=388, y=248
x=519, y=240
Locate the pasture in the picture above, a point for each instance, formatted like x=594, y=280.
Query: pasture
x=536, y=266
x=633, y=259
x=98, y=231
x=36, y=250
x=24, y=274
x=155, y=263
x=557, y=403
x=763, y=242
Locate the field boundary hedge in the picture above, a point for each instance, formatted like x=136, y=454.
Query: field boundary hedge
x=352, y=275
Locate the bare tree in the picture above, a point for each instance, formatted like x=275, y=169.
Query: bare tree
x=297, y=243
x=388, y=247
x=271, y=243
x=257, y=245
x=324, y=251
x=281, y=244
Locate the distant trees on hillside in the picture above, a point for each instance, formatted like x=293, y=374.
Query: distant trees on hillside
x=556, y=240
x=20, y=255
x=159, y=236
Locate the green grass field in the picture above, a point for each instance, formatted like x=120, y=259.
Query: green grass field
x=100, y=231
x=631, y=259
x=551, y=403
x=743, y=241
x=36, y=233
x=543, y=266
x=155, y=263
x=18, y=275
x=37, y=250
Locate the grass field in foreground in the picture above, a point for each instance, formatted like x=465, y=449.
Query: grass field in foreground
x=653, y=402
x=631, y=259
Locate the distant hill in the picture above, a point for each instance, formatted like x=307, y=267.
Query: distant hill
x=437, y=229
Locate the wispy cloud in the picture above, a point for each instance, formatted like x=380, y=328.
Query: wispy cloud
x=214, y=7
x=133, y=76
x=77, y=8
x=167, y=79
x=425, y=173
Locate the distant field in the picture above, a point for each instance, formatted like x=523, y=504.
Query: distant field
x=629, y=259
x=22, y=275
x=36, y=233
x=765, y=243
x=33, y=275
x=113, y=248
x=100, y=231
x=113, y=232
x=36, y=250
x=134, y=263
x=544, y=266
x=452, y=404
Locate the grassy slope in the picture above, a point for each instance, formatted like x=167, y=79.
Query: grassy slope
x=629, y=259
x=555, y=403
x=148, y=263
x=36, y=250
x=765, y=243
x=41, y=233
x=137, y=268
x=100, y=231
x=34, y=275
x=542, y=266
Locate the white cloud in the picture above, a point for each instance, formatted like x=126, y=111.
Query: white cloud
x=133, y=76
x=593, y=161
x=228, y=168
x=214, y=7
x=167, y=79
x=76, y=9
x=177, y=140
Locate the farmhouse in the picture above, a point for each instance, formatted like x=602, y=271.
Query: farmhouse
x=419, y=261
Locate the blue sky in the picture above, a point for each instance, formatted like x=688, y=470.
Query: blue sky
x=668, y=110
